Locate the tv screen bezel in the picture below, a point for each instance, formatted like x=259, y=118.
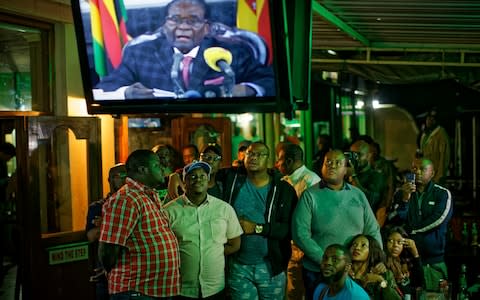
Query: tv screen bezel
x=281, y=102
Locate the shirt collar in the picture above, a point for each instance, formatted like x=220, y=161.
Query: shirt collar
x=322, y=184
x=185, y=201
x=297, y=174
x=137, y=184
x=142, y=187
x=192, y=53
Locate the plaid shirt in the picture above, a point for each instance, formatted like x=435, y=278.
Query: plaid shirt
x=134, y=218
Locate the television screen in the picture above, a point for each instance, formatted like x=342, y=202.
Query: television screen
x=144, y=122
x=151, y=56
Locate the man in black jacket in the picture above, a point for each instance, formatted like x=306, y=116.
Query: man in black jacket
x=264, y=205
x=429, y=209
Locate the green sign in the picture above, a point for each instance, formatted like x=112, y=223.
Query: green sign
x=67, y=253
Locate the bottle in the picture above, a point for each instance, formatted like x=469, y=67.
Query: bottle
x=443, y=288
x=465, y=234
x=474, y=235
x=474, y=290
x=462, y=284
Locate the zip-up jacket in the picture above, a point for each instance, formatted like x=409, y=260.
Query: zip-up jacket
x=427, y=221
x=281, y=201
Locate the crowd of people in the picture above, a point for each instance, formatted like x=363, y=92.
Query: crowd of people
x=177, y=225
x=200, y=231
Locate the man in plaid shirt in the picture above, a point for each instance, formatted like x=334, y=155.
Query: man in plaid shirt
x=137, y=246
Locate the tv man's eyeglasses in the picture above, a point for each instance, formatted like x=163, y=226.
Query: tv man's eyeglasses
x=191, y=21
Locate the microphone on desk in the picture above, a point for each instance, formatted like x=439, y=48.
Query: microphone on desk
x=174, y=73
x=219, y=59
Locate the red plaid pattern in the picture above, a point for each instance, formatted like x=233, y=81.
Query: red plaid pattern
x=134, y=218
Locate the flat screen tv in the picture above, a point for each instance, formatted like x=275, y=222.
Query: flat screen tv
x=158, y=56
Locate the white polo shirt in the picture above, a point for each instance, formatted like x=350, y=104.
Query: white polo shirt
x=202, y=232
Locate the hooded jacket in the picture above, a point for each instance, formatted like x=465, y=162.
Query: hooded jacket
x=281, y=201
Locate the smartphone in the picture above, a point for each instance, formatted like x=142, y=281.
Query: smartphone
x=410, y=177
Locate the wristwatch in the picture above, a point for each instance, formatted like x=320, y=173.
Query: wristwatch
x=258, y=228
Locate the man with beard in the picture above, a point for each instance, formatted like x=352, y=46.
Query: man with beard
x=335, y=283
x=319, y=218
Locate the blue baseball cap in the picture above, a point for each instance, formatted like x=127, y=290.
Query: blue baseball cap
x=195, y=165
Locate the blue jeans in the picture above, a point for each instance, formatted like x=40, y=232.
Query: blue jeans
x=132, y=295
x=253, y=282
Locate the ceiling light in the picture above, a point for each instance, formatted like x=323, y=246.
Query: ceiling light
x=331, y=52
x=359, y=104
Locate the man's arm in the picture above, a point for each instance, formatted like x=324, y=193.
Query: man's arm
x=138, y=91
x=256, y=77
x=93, y=234
x=280, y=227
x=399, y=209
x=123, y=75
x=232, y=245
x=108, y=254
x=302, y=228
x=234, y=230
x=370, y=224
x=94, y=221
x=441, y=213
x=114, y=232
x=174, y=182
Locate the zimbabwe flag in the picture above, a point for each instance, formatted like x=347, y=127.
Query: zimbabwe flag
x=254, y=15
x=109, y=33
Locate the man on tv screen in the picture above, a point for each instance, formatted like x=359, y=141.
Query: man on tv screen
x=186, y=59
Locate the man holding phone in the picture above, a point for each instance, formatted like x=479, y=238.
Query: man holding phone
x=399, y=208
x=428, y=209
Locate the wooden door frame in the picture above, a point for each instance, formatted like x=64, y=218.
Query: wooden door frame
x=32, y=246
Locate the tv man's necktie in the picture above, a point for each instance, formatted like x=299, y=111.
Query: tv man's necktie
x=187, y=60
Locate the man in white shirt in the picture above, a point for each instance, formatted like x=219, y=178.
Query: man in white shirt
x=207, y=230
x=290, y=163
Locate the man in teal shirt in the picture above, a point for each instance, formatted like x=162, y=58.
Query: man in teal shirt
x=330, y=213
